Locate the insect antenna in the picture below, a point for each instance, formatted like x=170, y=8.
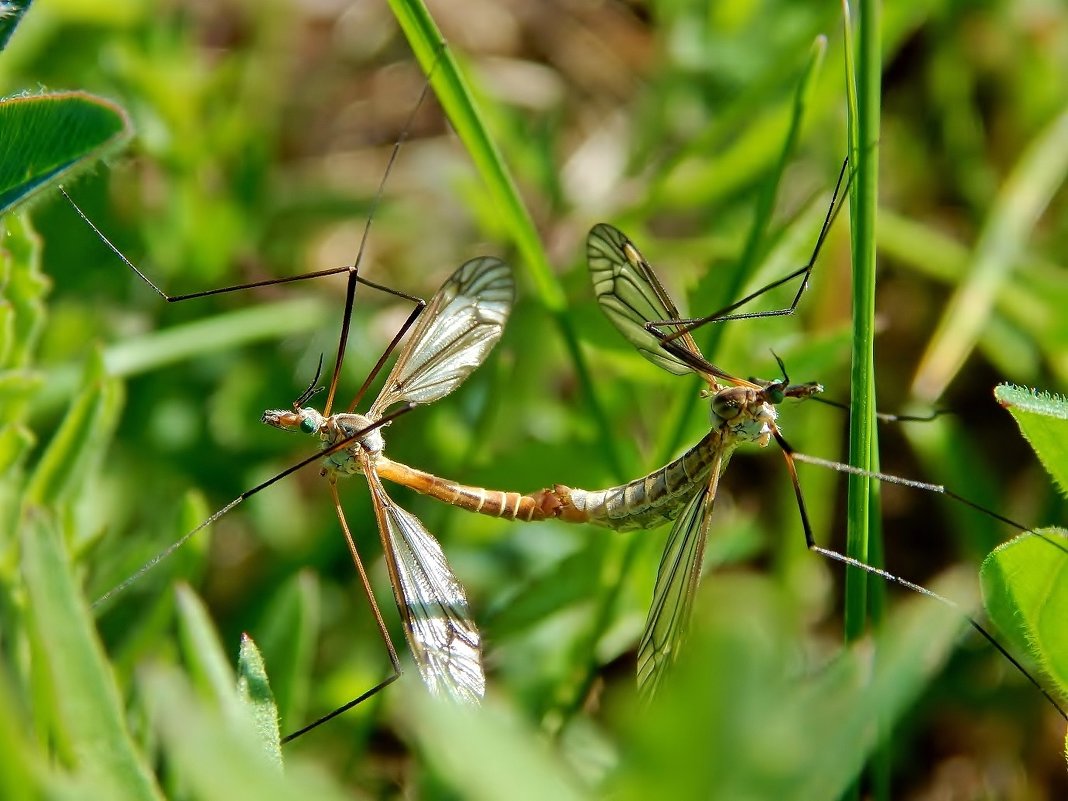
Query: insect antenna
x=312, y=390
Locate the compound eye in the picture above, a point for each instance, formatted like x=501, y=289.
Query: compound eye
x=725, y=406
x=308, y=425
x=775, y=395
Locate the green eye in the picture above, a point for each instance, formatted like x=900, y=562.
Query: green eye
x=308, y=426
x=775, y=396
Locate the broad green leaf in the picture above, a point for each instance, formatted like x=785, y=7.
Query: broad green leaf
x=48, y=138
x=1025, y=589
x=1043, y=420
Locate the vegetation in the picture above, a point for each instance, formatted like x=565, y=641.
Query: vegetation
x=712, y=134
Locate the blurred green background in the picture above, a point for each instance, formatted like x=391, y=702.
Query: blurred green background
x=263, y=132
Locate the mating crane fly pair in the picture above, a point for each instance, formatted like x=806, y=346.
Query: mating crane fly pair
x=452, y=335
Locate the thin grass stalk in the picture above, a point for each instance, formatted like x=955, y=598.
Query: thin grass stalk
x=863, y=81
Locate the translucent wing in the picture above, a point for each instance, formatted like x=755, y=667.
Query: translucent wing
x=631, y=295
x=443, y=639
x=676, y=582
x=458, y=328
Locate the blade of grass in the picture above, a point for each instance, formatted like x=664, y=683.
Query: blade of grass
x=460, y=105
x=863, y=88
x=1022, y=199
x=89, y=721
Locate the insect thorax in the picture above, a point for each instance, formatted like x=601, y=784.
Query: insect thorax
x=342, y=426
x=744, y=413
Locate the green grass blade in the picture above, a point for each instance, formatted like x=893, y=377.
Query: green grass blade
x=89, y=721
x=863, y=82
x=80, y=442
x=287, y=634
x=863, y=86
x=1025, y=194
x=457, y=99
x=215, y=762
x=208, y=664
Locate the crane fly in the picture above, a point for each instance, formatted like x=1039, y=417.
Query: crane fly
x=454, y=334
x=458, y=328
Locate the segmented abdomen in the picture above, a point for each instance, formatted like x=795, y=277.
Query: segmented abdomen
x=645, y=502
x=541, y=505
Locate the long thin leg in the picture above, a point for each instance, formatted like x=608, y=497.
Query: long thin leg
x=392, y=346
x=790, y=455
x=350, y=290
x=224, y=289
x=888, y=417
x=684, y=326
x=351, y=270
x=394, y=660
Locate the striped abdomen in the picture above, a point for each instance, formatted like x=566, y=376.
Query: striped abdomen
x=542, y=505
x=645, y=502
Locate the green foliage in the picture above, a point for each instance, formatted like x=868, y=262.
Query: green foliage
x=1024, y=592
x=1043, y=420
x=9, y=20
x=1024, y=586
x=712, y=135
x=50, y=137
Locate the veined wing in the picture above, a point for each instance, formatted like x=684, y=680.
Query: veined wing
x=443, y=639
x=631, y=295
x=676, y=582
x=458, y=328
